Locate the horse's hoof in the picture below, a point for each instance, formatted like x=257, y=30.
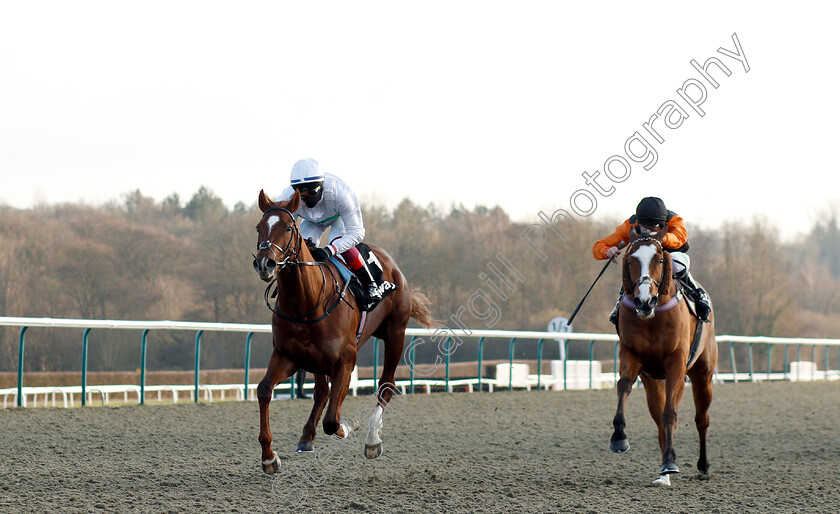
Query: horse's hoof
x=703, y=468
x=619, y=446
x=271, y=466
x=663, y=480
x=668, y=468
x=373, y=451
x=305, y=447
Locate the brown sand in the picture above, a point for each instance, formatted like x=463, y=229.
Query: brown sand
x=772, y=447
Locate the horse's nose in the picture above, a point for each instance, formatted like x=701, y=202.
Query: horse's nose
x=264, y=265
x=644, y=305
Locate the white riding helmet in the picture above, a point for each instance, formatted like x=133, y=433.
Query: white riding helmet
x=306, y=171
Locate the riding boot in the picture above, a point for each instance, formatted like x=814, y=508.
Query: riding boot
x=366, y=278
x=614, y=313
x=692, y=288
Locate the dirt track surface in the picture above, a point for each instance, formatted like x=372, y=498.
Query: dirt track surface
x=772, y=447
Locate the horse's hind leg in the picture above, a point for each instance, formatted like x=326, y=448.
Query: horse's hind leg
x=630, y=368
x=393, y=351
x=279, y=369
x=320, y=397
x=340, y=381
x=701, y=388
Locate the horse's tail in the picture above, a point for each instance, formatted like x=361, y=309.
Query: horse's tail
x=420, y=309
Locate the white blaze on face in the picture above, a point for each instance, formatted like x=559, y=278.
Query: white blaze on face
x=271, y=221
x=645, y=255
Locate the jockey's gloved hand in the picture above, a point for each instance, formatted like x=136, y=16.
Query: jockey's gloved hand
x=321, y=254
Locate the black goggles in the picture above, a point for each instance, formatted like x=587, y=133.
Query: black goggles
x=308, y=190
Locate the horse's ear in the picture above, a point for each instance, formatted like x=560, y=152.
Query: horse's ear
x=626, y=283
x=294, y=203
x=667, y=277
x=264, y=201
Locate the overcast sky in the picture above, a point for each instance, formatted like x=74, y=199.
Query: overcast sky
x=492, y=103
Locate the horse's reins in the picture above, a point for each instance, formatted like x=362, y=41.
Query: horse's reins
x=291, y=260
x=572, y=317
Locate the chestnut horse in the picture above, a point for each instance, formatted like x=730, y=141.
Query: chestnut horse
x=314, y=327
x=656, y=331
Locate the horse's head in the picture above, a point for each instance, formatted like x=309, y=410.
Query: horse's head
x=647, y=271
x=278, y=237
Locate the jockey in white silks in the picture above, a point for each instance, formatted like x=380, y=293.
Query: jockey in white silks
x=328, y=202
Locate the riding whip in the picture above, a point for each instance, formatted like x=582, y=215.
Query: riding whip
x=620, y=246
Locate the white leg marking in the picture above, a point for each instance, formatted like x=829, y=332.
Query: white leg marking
x=375, y=427
x=272, y=459
x=663, y=480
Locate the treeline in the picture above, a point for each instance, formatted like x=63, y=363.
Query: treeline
x=147, y=260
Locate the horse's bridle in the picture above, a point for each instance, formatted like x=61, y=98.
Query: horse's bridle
x=645, y=279
x=290, y=259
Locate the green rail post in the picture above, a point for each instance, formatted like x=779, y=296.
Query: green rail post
x=411, y=367
x=84, y=363
x=197, y=360
x=732, y=362
x=813, y=359
x=750, y=359
x=448, y=340
x=480, y=351
x=510, y=369
x=784, y=364
x=20, y=365
x=591, y=343
x=247, y=360
x=826, y=362
x=769, y=346
x=539, y=363
x=143, y=367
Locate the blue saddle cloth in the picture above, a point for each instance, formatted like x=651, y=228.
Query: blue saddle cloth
x=342, y=268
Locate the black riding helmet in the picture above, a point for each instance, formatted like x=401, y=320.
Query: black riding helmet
x=651, y=211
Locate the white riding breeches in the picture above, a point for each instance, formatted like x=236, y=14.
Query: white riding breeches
x=680, y=261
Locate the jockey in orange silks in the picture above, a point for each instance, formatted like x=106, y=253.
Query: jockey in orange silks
x=652, y=215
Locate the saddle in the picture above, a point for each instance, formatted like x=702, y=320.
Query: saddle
x=365, y=303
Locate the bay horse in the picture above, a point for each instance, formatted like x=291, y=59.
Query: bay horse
x=656, y=331
x=314, y=327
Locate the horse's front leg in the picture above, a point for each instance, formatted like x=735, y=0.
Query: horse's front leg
x=279, y=369
x=674, y=385
x=629, y=372
x=701, y=388
x=320, y=396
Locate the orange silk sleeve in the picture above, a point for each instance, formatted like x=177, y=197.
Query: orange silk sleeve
x=622, y=233
x=676, y=236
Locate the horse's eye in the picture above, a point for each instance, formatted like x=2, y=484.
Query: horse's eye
x=288, y=229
